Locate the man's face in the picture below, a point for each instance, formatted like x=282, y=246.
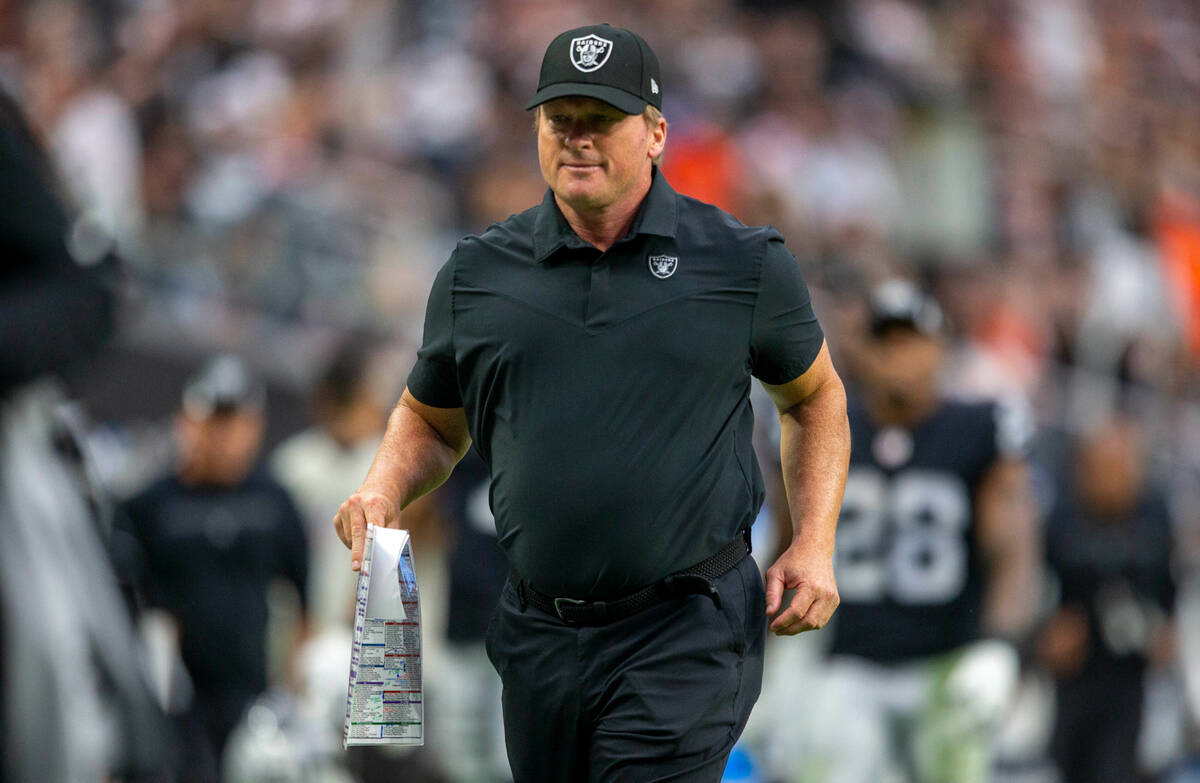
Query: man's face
x=593, y=154
x=221, y=448
x=1109, y=469
x=902, y=367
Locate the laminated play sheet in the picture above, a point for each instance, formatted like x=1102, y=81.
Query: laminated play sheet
x=384, y=701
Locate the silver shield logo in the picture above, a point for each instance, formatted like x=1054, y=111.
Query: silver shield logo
x=663, y=267
x=590, y=52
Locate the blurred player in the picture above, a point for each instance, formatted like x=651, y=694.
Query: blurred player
x=1108, y=541
x=317, y=465
x=205, y=543
x=936, y=550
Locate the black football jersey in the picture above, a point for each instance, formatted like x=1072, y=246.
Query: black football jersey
x=1118, y=571
x=908, y=569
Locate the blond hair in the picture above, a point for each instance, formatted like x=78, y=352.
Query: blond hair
x=652, y=115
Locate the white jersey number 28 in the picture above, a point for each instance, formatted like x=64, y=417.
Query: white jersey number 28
x=902, y=538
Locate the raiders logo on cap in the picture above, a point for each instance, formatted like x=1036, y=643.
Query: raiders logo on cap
x=590, y=52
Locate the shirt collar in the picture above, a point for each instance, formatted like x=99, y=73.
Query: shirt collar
x=658, y=214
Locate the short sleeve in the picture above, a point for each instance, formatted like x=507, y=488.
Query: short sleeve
x=785, y=337
x=434, y=378
x=293, y=547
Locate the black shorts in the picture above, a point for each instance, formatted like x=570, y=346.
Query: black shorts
x=661, y=695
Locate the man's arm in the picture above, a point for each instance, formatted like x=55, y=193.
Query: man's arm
x=815, y=455
x=421, y=446
x=1006, y=529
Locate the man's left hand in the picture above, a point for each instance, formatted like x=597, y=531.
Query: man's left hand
x=811, y=576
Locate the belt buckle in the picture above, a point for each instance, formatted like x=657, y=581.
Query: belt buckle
x=561, y=603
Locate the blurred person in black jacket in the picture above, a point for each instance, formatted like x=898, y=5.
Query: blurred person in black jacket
x=206, y=542
x=74, y=702
x=1109, y=543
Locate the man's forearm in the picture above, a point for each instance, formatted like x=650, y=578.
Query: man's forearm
x=1009, y=536
x=815, y=455
x=1011, y=599
x=413, y=458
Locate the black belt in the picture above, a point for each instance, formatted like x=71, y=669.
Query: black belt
x=693, y=580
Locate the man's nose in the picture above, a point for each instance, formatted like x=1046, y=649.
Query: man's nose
x=578, y=133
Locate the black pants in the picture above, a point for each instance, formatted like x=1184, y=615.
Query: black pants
x=1096, y=728
x=662, y=695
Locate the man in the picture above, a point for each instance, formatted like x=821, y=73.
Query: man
x=598, y=350
x=205, y=543
x=1109, y=542
x=319, y=465
x=936, y=548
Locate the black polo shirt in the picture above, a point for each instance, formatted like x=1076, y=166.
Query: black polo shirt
x=609, y=391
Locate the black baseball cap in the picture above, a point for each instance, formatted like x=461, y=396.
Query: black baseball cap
x=223, y=386
x=900, y=303
x=610, y=64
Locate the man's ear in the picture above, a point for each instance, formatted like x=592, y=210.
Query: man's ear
x=658, y=139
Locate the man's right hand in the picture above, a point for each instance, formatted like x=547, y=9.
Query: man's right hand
x=361, y=509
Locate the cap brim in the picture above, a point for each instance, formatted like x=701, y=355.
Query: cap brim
x=881, y=323
x=624, y=101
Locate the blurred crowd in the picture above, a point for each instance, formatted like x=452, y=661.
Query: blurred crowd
x=283, y=178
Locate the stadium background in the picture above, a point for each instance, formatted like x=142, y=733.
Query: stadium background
x=281, y=175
